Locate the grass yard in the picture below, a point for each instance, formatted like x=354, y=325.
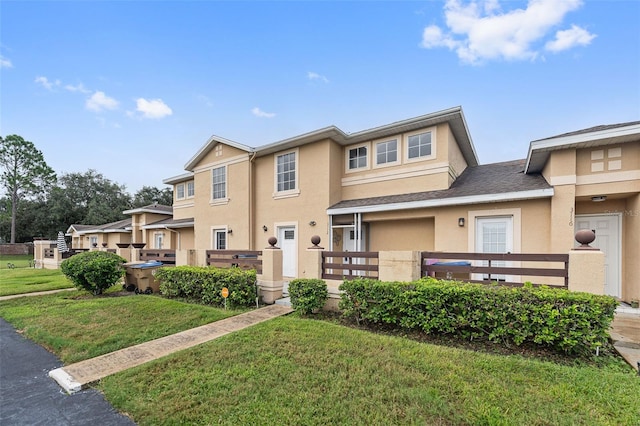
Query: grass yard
x=28, y=280
x=294, y=370
x=76, y=326
x=17, y=260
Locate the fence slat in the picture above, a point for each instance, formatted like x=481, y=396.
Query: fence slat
x=431, y=267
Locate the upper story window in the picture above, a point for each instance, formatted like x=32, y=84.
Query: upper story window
x=190, y=189
x=358, y=157
x=387, y=152
x=219, y=189
x=419, y=145
x=286, y=172
x=180, y=191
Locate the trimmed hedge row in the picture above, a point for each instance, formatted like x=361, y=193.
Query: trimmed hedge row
x=571, y=322
x=204, y=284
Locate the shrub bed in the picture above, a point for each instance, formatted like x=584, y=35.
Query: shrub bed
x=571, y=322
x=204, y=284
x=94, y=271
x=307, y=294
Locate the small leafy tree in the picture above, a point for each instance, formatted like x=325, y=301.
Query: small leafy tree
x=94, y=271
x=307, y=294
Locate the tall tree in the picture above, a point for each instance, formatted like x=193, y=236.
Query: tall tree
x=150, y=194
x=24, y=173
x=88, y=198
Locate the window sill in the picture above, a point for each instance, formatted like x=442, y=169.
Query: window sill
x=219, y=202
x=286, y=194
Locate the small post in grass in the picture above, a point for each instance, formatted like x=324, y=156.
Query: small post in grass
x=225, y=294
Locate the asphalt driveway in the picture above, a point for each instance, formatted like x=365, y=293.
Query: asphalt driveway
x=28, y=396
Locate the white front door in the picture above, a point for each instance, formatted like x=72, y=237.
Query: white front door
x=494, y=235
x=607, y=229
x=158, y=240
x=350, y=242
x=289, y=247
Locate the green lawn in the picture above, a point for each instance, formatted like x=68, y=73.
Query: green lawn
x=293, y=370
x=76, y=326
x=17, y=260
x=28, y=280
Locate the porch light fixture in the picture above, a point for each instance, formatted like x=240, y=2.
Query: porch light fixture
x=599, y=198
x=312, y=223
x=461, y=221
x=264, y=228
x=229, y=231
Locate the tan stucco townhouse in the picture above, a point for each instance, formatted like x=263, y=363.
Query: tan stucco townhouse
x=414, y=185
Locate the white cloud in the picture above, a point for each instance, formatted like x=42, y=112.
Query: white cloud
x=315, y=76
x=153, y=108
x=78, y=88
x=567, y=39
x=44, y=81
x=480, y=30
x=5, y=63
x=99, y=101
x=259, y=113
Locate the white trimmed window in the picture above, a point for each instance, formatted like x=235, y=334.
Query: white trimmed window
x=358, y=158
x=180, y=191
x=219, y=188
x=387, y=152
x=286, y=172
x=191, y=190
x=419, y=145
x=220, y=239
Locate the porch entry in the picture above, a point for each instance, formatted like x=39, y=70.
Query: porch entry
x=287, y=241
x=494, y=235
x=607, y=230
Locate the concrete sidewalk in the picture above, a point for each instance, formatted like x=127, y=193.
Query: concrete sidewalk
x=36, y=293
x=625, y=334
x=74, y=376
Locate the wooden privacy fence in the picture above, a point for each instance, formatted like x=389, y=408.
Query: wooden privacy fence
x=348, y=265
x=244, y=259
x=167, y=257
x=49, y=253
x=494, y=267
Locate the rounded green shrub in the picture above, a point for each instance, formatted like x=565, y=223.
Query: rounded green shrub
x=307, y=294
x=94, y=271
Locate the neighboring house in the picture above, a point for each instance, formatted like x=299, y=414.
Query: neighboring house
x=153, y=225
x=416, y=185
x=90, y=236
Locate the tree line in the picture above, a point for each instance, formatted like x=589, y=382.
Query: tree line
x=39, y=203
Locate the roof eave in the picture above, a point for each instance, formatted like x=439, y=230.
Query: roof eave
x=211, y=142
x=451, y=201
x=177, y=179
x=330, y=132
x=539, y=150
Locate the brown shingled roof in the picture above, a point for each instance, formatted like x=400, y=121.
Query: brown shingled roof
x=497, y=178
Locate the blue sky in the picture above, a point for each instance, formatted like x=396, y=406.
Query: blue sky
x=134, y=89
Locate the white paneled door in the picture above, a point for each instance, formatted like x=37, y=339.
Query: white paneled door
x=607, y=229
x=289, y=247
x=494, y=235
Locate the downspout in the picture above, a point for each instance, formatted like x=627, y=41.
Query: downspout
x=251, y=219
